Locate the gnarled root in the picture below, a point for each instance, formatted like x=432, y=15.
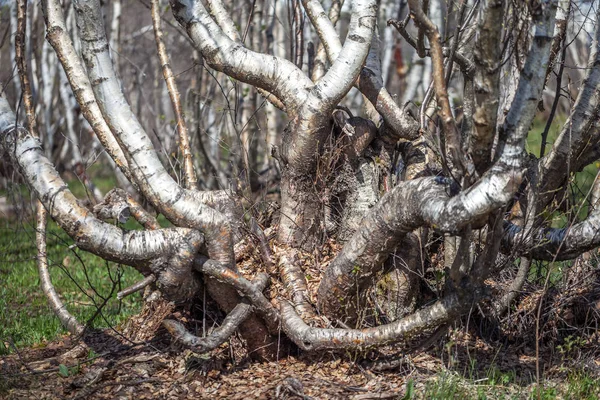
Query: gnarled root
x=218, y=336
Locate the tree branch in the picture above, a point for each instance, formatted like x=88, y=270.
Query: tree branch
x=191, y=182
x=280, y=77
x=369, y=83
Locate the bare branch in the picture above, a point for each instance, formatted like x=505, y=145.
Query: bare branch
x=68, y=320
x=369, y=83
x=165, y=252
x=280, y=77
x=136, y=287
x=449, y=128
x=184, y=139
x=58, y=36
x=487, y=81
x=321, y=53
x=349, y=60
x=219, y=335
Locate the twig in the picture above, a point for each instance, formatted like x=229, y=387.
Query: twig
x=136, y=287
x=190, y=180
x=448, y=123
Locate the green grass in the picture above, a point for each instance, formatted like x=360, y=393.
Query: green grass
x=451, y=385
x=82, y=280
x=580, y=182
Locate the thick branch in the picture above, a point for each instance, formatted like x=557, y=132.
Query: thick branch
x=294, y=281
x=58, y=36
x=309, y=338
x=321, y=53
x=488, y=54
x=280, y=77
x=425, y=201
x=219, y=335
x=213, y=213
x=369, y=83
x=182, y=207
x=165, y=252
x=349, y=61
x=555, y=244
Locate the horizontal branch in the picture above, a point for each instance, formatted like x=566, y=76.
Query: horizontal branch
x=310, y=338
x=554, y=244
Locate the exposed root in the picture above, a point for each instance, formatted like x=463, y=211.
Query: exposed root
x=203, y=345
x=295, y=283
x=218, y=336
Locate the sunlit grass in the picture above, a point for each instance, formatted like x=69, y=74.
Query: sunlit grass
x=82, y=280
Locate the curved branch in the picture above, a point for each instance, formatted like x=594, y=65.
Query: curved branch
x=280, y=77
x=213, y=213
x=425, y=201
x=555, y=244
x=218, y=336
x=370, y=82
x=165, y=252
x=219, y=13
x=321, y=53
x=58, y=36
x=349, y=60
x=310, y=338
x=182, y=207
x=579, y=132
x=68, y=320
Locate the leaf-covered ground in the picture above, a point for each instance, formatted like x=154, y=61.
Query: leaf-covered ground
x=455, y=365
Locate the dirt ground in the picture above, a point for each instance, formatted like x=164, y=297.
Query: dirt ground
x=105, y=365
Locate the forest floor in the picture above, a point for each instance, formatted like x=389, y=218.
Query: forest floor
x=106, y=366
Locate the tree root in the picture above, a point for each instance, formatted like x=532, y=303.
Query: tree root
x=234, y=319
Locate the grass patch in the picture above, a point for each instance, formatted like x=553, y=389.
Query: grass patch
x=83, y=280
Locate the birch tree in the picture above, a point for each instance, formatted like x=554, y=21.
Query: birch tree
x=372, y=185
